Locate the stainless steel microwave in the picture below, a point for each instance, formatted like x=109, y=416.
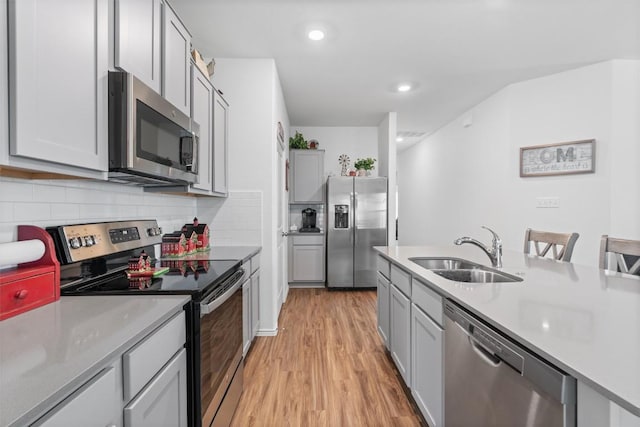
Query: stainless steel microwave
x=151, y=142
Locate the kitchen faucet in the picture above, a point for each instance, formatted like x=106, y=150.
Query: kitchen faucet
x=494, y=254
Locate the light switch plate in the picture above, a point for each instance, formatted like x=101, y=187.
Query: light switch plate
x=547, y=202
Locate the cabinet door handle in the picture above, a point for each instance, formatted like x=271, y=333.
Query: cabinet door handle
x=21, y=294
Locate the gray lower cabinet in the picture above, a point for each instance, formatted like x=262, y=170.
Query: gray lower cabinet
x=383, y=309
x=146, y=385
x=307, y=258
x=399, y=335
x=410, y=318
x=255, y=303
x=97, y=403
x=164, y=401
x=250, y=302
x=427, y=386
x=246, y=314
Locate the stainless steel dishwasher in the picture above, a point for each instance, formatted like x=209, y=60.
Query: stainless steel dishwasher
x=491, y=381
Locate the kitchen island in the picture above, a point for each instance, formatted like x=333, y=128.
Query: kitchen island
x=580, y=318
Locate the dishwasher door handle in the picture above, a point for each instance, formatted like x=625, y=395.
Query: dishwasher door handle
x=490, y=358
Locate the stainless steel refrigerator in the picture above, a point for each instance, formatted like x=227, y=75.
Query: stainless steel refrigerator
x=357, y=221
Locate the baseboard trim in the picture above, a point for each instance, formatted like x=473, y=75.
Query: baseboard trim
x=267, y=332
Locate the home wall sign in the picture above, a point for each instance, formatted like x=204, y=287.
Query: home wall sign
x=558, y=159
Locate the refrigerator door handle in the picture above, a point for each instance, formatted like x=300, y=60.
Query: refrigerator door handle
x=355, y=227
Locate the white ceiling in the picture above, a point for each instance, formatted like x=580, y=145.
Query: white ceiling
x=458, y=52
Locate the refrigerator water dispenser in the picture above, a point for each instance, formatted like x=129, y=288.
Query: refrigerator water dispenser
x=341, y=216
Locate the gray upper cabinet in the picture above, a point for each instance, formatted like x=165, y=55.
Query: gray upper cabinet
x=137, y=39
x=176, y=74
x=307, y=176
x=58, y=67
x=202, y=113
x=220, y=142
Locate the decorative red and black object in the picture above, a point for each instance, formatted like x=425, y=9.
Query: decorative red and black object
x=31, y=284
x=202, y=233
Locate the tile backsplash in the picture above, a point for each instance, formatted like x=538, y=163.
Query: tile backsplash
x=234, y=221
x=56, y=202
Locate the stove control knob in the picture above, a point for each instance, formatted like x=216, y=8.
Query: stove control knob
x=75, y=243
x=89, y=241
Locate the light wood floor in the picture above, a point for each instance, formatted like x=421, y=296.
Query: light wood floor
x=326, y=367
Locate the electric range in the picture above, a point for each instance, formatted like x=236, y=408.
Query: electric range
x=94, y=259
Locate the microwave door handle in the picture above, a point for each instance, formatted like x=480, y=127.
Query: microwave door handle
x=194, y=154
x=189, y=161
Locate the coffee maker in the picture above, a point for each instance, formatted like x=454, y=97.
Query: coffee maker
x=309, y=221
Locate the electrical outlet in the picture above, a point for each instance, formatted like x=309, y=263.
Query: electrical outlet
x=547, y=202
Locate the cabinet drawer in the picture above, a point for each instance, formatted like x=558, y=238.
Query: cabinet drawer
x=308, y=240
x=428, y=300
x=383, y=266
x=164, y=401
x=93, y=404
x=401, y=279
x=25, y=294
x=146, y=358
x=255, y=262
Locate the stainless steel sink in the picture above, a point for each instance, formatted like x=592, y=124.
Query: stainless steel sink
x=477, y=276
x=445, y=263
x=461, y=270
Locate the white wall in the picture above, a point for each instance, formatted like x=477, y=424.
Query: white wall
x=355, y=142
x=58, y=202
x=460, y=178
x=249, y=87
x=387, y=147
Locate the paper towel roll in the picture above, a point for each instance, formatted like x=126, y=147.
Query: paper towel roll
x=18, y=252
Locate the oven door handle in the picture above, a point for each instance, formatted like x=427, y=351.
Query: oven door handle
x=209, y=307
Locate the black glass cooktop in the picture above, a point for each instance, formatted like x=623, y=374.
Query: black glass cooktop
x=195, y=278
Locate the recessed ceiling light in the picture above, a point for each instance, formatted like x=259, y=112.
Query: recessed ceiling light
x=399, y=139
x=404, y=87
x=316, y=35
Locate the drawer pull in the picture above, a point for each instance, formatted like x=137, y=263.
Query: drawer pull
x=21, y=294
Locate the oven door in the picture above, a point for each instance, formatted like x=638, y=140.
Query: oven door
x=220, y=348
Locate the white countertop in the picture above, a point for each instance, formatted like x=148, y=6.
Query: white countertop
x=53, y=349
x=578, y=317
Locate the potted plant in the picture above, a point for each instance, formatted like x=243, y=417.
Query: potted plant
x=364, y=166
x=297, y=142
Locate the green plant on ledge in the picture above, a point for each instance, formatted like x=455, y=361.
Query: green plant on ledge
x=366, y=164
x=297, y=142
